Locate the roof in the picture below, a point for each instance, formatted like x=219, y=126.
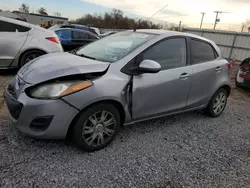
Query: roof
x=42, y=15
x=171, y=33
x=14, y=21
x=25, y=24
x=9, y=14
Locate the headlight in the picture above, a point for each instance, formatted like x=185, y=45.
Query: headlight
x=58, y=89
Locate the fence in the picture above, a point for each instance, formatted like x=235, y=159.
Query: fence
x=233, y=45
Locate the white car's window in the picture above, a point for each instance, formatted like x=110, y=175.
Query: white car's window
x=10, y=27
x=170, y=53
x=115, y=47
x=202, y=52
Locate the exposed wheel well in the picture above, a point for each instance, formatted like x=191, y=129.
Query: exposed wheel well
x=227, y=88
x=23, y=53
x=116, y=104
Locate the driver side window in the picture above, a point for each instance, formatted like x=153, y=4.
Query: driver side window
x=170, y=53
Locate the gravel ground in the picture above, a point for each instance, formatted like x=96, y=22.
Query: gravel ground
x=187, y=150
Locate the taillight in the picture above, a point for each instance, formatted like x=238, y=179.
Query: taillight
x=229, y=66
x=53, y=39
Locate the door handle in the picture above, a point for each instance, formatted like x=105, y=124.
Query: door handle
x=218, y=69
x=184, y=75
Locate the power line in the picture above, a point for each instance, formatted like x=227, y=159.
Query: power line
x=157, y=12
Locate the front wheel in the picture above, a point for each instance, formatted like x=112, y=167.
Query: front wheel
x=97, y=127
x=218, y=103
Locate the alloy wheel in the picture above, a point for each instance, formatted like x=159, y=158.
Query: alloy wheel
x=219, y=103
x=99, y=128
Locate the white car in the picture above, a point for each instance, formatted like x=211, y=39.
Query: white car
x=21, y=42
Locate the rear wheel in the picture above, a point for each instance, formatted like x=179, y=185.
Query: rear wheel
x=97, y=127
x=28, y=56
x=218, y=103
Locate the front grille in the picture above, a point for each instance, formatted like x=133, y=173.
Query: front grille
x=11, y=91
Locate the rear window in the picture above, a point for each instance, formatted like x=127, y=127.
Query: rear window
x=202, y=51
x=10, y=27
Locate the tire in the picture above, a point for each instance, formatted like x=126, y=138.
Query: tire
x=90, y=127
x=28, y=56
x=212, y=109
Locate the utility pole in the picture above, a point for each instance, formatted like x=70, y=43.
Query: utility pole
x=216, y=18
x=242, y=28
x=202, y=17
x=179, y=25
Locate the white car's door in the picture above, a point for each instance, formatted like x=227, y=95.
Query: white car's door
x=12, y=37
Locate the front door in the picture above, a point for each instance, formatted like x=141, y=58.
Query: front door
x=166, y=91
x=12, y=38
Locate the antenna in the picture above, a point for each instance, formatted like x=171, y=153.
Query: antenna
x=157, y=12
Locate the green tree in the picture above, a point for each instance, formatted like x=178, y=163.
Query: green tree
x=42, y=11
x=115, y=20
x=24, y=8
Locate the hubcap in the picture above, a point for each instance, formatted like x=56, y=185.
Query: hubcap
x=219, y=103
x=99, y=128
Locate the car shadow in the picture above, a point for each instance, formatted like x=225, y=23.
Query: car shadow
x=8, y=72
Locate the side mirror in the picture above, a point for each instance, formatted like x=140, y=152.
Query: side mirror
x=149, y=66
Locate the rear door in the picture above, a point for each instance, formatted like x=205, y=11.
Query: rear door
x=12, y=38
x=207, y=72
x=166, y=91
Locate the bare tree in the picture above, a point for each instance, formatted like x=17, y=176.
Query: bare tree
x=42, y=11
x=24, y=8
x=115, y=19
x=247, y=25
x=58, y=14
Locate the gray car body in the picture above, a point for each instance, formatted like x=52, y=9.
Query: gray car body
x=149, y=96
x=14, y=44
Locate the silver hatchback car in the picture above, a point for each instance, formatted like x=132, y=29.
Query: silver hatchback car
x=125, y=78
x=20, y=42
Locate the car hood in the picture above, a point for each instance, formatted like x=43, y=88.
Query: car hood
x=57, y=65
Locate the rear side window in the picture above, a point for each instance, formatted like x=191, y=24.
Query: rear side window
x=202, y=51
x=64, y=35
x=10, y=27
x=78, y=35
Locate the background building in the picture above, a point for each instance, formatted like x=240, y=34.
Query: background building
x=36, y=19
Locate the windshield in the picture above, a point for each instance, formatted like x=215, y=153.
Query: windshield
x=54, y=27
x=114, y=47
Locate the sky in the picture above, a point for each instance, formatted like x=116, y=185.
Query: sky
x=187, y=11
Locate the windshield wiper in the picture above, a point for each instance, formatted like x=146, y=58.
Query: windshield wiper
x=82, y=55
